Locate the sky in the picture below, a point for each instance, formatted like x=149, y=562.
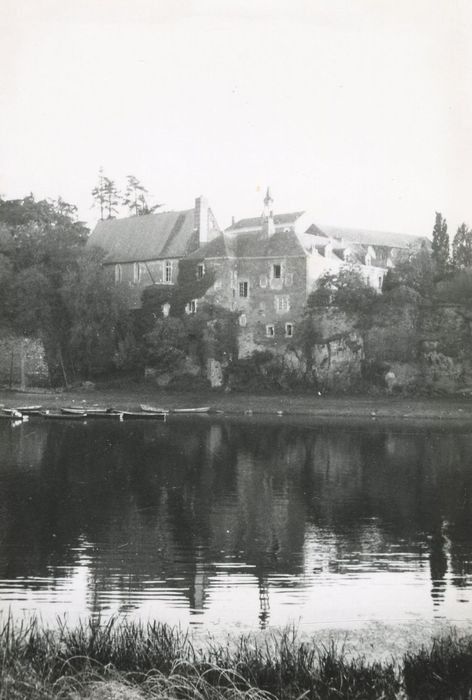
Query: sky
x=358, y=110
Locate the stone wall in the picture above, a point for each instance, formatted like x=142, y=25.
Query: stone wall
x=22, y=362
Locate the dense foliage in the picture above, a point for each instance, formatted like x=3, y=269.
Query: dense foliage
x=52, y=287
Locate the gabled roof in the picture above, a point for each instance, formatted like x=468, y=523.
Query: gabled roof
x=255, y=222
x=169, y=234
x=375, y=238
x=251, y=245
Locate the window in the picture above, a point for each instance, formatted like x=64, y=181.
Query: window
x=165, y=309
x=261, y=308
x=282, y=304
x=200, y=271
x=191, y=307
x=380, y=282
x=289, y=330
x=136, y=272
x=244, y=289
x=276, y=272
x=263, y=281
x=270, y=331
x=243, y=320
x=118, y=273
x=168, y=271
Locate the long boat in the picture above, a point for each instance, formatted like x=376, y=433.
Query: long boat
x=136, y=415
x=11, y=413
x=199, y=409
x=148, y=408
x=71, y=410
x=63, y=416
x=29, y=410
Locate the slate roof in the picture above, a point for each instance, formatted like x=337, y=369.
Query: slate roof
x=169, y=234
x=251, y=245
x=375, y=238
x=255, y=222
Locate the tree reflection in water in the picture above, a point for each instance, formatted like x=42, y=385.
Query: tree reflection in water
x=187, y=515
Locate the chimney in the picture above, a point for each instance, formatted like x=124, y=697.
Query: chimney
x=201, y=219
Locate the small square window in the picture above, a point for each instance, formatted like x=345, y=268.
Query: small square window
x=289, y=330
x=244, y=289
x=270, y=331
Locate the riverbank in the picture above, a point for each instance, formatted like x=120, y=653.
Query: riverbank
x=131, y=661
x=442, y=412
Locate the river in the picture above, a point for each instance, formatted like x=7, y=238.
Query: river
x=235, y=525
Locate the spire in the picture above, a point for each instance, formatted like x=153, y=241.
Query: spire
x=268, y=214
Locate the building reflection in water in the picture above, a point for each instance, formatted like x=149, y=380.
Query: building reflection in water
x=199, y=521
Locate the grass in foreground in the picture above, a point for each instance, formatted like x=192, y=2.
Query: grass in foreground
x=132, y=661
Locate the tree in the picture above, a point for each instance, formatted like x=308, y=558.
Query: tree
x=417, y=271
x=346, y=289
x=98, y=194
x=135, y=198
x=112, y=197
x=99, y=320
x=40, y=242
x=462, y=248
x=440, y=245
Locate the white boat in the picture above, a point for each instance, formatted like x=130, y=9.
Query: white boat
x=148, y=408
x=200, y=409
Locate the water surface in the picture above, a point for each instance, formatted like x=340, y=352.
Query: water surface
x=225, y=525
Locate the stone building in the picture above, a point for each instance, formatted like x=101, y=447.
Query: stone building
x=145, y=250
x=263, y=268
x=266, y=267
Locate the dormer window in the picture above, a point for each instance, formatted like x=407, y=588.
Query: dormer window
x=200, y=271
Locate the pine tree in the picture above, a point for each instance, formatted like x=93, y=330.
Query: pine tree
x=98, y=193
x=462, y=248
x=112, y=197
x=135, y=198
x=440, y=244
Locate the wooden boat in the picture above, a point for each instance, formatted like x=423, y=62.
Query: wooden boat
x=136, y=415
x=147, y=408
x=11, y=414
x=200, y=409
x=91, y=411
x=63, y=416
x=71, y=410
x=29, y=410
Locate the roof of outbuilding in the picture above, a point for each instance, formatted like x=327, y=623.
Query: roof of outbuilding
x=375, y=238
x=169, y=234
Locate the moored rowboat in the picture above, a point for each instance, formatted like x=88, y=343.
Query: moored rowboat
x=200, y=409
x=63, y=416
x=29, y=410
x=136, y=415
x=147, y=408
